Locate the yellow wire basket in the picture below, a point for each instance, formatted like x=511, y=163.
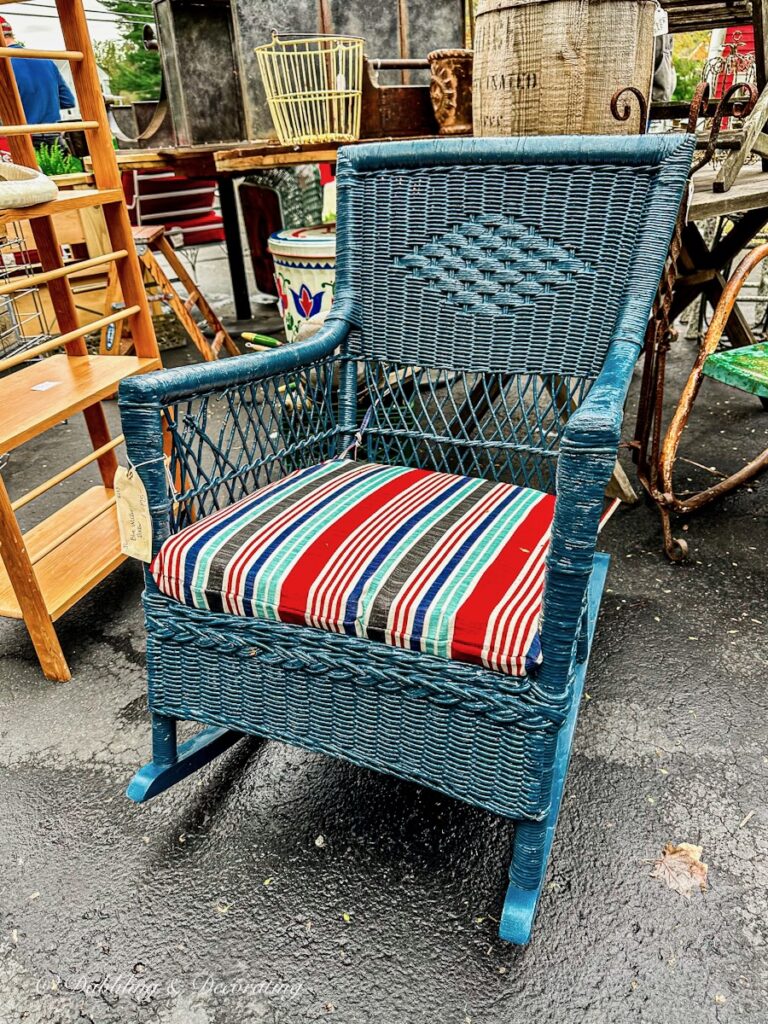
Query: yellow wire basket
x=313, y=86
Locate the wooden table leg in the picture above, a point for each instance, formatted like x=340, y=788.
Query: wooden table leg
x=703, y=271
x=235, y=256
x=196, y=298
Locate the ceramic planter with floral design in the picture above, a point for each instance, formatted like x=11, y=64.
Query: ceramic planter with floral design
x=451, y=90
x=305, y=273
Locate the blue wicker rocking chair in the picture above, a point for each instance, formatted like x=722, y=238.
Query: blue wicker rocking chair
x=380, y=542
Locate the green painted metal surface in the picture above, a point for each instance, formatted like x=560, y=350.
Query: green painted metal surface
x=744, y=368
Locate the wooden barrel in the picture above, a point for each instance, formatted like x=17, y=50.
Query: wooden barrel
x=550, y=67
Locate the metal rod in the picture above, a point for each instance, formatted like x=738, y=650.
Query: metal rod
x=229, y=215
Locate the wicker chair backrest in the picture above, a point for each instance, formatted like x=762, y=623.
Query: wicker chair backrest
x=514, y=255
x=507, y=266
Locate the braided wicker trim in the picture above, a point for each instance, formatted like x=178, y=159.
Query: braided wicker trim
x=390, y=670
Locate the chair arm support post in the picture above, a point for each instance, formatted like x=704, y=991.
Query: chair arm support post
x=581, y=481
x=143, y=426
x=586, y=462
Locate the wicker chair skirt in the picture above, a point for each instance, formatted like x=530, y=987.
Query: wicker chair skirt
x=484, y=738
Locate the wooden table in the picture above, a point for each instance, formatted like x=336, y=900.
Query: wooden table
x=199, y=162
x=749, y=193
x=703, y=270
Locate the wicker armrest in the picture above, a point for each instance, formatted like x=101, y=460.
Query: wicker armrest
x=164, y=387
x=596, y=424
x=230, y=426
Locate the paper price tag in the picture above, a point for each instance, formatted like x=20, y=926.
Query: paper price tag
x=133, y=518
x=660, y=21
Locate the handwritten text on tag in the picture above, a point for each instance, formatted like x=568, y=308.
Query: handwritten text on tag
x=133, y=516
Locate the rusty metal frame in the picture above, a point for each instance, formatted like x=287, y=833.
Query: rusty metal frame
x=655, y=450
x=660, y=482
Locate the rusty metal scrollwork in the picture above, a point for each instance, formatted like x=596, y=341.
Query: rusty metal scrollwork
x=727, y=106
x=626, y=112
x=698, y=108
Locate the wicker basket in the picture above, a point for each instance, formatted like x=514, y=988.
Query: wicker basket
x=24, y=186
x=550, y=67
x=313, y=86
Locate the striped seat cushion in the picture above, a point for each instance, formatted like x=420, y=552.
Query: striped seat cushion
x=448, y=565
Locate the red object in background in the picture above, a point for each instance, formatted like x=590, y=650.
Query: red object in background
x=173, y=201
x=744, y=39
x=261, y=217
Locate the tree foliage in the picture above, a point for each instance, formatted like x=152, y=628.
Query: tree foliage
x=690, y=53
x=689, y=73
x=134, y=73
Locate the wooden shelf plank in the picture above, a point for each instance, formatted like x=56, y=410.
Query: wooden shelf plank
x=76, y=565
x=76, y=199
x=69, y=384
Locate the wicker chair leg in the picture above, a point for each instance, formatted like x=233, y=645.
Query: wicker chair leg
x=533, y=839
x=526, y=873
x=582, y=645
x=171, y=763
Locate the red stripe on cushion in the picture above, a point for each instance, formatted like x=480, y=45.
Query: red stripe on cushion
x=294, y=601
x=472, y=617
x=400, y=612
x=237, y=569
x=517, y=620
x=338, y=577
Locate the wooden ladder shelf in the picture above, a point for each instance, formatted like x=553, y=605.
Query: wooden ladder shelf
x=50, y=567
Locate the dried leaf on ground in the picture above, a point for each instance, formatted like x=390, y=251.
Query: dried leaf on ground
x=682, y=868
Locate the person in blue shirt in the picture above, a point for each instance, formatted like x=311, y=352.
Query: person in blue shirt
x=44, y=93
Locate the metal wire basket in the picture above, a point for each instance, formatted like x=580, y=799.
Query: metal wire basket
x=313, y=86
x=24, y=321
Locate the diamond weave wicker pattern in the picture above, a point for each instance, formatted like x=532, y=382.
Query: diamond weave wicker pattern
x=459, y=285
x=494, y=260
